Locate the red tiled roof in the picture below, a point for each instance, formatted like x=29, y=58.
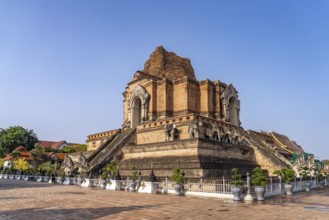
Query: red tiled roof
x=60, y=156
x=58, y=144
x=23, y=153
x=51, y=144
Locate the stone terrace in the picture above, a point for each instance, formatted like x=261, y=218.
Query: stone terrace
x=30, y=200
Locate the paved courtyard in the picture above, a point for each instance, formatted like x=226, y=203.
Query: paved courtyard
x=30, y=200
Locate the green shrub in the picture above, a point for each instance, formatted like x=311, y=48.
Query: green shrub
x=287, y=175
x=112, y=168
x=258, y=178
x=177, y=175
x=134, y=174
x=236, y=178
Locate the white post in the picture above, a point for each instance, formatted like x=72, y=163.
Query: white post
x=224, y=186
x=248, y=197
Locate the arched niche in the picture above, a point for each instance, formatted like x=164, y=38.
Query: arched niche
x=136, y=112
x=231, y=105
x=138, y=106
x=233, y=111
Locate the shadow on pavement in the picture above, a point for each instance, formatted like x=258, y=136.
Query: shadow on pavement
x=14, y=184
x=73, y=213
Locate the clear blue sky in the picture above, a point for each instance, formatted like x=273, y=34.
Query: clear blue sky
x=64, y=64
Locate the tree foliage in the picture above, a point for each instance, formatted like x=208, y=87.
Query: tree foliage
x=79, y=147
x=68, y=149
x=112, y=168
x=258, y=178
x=236, y=178
x=2, y=161
x=46, y=168
x=14, y=137
x=39, y=156
x=177, y=175
x=21, y=164
x=287, y=175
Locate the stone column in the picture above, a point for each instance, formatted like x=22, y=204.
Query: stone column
x=248, y=197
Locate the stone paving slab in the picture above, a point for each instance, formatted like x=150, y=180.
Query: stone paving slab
x=29, y=200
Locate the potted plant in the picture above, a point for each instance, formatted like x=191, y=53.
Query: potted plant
x=236, y=185
x=115, y=182
x=102, y=184
x=178, y=176
x=306, y=175
x=132, y=185
x=287, y=176
x=321, y=180
x=258, y=179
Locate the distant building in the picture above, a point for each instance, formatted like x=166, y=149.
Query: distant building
x=23, y=153
x=55, y=144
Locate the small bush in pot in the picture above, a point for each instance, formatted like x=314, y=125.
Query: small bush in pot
x=132, y=186
x=287, y=176
x=178, y=176
x=236, y=184
x=102, y=184
x=259, y=180
x=305, y=173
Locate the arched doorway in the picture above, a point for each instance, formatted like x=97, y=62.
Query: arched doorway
x=232, y=112
x=136, y=112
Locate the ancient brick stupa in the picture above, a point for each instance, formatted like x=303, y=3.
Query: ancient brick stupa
x=173, y=120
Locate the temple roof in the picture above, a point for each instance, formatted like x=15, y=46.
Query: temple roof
x=285, y=142
x=168, y=65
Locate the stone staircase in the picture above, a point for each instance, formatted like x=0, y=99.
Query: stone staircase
x=107, y=150
x=266, y=150
x=102, y=147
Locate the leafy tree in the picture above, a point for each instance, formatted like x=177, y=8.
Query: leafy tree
x=68, y=149
x=21, y=165
x=79, y=147
x=38, y=154
x=15, y=136
x=2, y=161
x=46, y=168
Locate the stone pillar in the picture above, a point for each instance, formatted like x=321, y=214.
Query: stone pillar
x=248, y=196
